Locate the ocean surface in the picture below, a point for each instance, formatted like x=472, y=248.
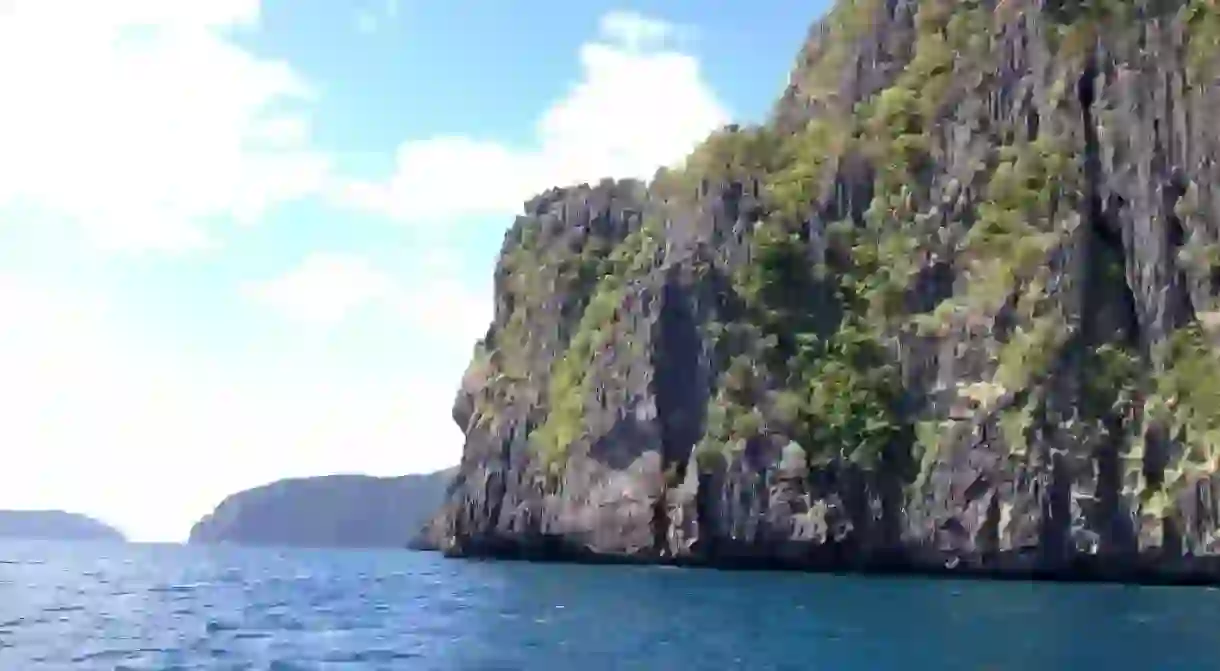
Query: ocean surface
x=87, y=606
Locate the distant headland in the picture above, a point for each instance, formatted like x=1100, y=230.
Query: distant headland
x=355, y=511
x=55, y=525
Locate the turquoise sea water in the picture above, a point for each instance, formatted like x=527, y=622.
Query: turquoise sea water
x=66, y=606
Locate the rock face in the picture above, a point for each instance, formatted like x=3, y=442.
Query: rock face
x=954, y=307
x=355, y=511
x=55, y=525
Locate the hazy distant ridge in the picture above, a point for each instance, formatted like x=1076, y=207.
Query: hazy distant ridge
x=326, y=511
x=55, y=525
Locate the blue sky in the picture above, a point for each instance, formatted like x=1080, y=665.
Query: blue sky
x=246, y=240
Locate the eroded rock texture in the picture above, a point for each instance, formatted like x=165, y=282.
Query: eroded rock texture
x=952, y=307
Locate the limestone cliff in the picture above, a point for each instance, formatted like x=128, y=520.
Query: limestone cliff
x=953, y=305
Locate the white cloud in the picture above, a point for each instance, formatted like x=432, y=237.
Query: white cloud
x=438, y=177
x=97, y=421
x=641, y=104
x=635, y=31
x=324, y=288
x=141, y=121
x=327, y=287
x=447, y=310
x=142, y=124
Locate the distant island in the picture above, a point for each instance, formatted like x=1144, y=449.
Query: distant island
x=353, y=511
x=55, y=525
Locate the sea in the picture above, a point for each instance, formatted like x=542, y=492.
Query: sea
x=109, y=606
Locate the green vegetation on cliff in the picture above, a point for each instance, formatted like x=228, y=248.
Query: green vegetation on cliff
x=1202, y=18
x=568, y=389
x=816, y=349
x=955, y=303
x=835, y=389
x=1186, y=398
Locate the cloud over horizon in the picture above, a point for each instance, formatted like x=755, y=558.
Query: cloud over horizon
x=150, y=129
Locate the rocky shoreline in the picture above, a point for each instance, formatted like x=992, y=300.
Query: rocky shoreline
x=1149, y=570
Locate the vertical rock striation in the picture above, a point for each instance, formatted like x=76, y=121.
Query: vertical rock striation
x=952, y=308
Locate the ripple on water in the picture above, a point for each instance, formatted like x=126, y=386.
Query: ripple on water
x=63, y=609
x=213, y=609
x=175, y=589
x=366, y=656
x=107, y=655
x=217, y=626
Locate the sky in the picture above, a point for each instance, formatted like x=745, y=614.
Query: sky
x=244, y=240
